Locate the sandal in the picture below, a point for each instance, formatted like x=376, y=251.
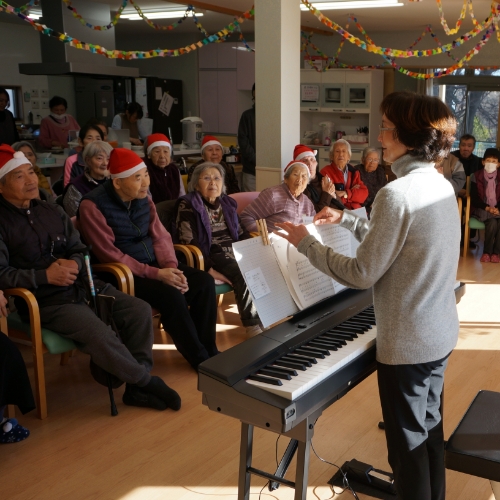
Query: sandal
x=485, y=258
x=12, y=432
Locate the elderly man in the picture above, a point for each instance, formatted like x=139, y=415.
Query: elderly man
x=40, y=250
x=211, y=151
x=469, y=160
x=120, y=221
x=320, y=190
x=349, y=187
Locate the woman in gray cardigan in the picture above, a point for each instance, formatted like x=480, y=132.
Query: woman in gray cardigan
x=409, y=254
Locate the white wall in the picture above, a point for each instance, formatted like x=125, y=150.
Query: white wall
x=22, y=44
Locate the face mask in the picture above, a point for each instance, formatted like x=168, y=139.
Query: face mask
x=490, y=167
x=58, y=117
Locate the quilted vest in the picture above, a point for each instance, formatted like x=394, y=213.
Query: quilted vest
x=130, y=225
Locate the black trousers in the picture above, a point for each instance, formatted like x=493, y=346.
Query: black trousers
x=492, y=236
x=411, y=398
x=15, y=388
x=190, y=318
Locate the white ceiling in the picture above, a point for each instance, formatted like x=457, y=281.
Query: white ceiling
x=413, y=16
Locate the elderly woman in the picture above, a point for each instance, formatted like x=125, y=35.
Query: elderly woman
x=348, y=184
x=96, y=158
x=408, y=253
x=207, y=218
x=211, y=150
x=372, y=174
x=320, y=190
x=285, y=202
x=74, y=165
x=55, y=127
x=166, y=181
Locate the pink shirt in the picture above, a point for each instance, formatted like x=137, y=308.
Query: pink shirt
x=55, y=130
x=96, y=232
x=276, y=204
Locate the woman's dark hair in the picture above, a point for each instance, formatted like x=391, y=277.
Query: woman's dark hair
x=97, y=122
x=57, y=101
x=4, y=91
x=424, y=124
x=89, y=126
x=135, y=108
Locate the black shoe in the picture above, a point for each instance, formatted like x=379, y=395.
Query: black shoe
x=135, y=396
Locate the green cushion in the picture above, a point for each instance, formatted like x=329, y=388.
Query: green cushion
x=476, y=224
x=53, y=341
x=222, y=289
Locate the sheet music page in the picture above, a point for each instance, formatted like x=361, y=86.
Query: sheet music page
x=251, y=255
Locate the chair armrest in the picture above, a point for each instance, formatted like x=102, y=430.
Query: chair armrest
x=184, y=249
x=121, y=272
x=459, y=201
x=199, y=261
x=34, y=312
x=116, y=271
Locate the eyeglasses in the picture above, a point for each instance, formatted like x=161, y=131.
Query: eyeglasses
x=208, y=179
x=372, y=160
x=383, y=129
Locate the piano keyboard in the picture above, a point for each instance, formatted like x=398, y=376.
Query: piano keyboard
x=304, y=367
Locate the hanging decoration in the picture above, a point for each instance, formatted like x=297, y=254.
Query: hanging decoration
x=133, y=54
x=386, y=51
x=455, y=30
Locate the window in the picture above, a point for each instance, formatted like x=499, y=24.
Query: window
x=474, y=97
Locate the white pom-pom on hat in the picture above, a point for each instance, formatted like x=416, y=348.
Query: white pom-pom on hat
x=19, y=154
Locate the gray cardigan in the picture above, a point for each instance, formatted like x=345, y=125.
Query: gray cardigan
x=409, y=253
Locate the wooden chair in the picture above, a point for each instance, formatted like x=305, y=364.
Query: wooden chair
x=44, y=340
x=470, y=222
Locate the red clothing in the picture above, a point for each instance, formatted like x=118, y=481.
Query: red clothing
x=96, y=232
x=355, y=197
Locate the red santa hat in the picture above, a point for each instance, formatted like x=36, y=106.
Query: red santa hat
x=10, y=159
x=294, y=162
x=123, y=163
x=300, y=151
x=210, y=140
x=156, y=140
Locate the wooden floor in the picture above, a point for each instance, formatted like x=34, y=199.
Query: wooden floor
x=80, y=452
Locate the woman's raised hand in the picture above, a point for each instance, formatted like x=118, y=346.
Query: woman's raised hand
x=328, y=216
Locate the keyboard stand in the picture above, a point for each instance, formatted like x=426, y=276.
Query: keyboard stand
x=284, y=463
x=301, y=434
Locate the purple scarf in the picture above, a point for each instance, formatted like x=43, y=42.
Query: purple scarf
x=491, y=195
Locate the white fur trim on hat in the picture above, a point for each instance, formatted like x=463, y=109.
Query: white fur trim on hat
x=158, y=144
x=306, y=153
x=18, y=160
x=129, y=172
x=211, y=143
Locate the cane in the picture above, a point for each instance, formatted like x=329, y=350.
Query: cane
x=114, y=410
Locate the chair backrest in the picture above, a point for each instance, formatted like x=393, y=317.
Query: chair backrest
x=244, y=199
x=167, y=213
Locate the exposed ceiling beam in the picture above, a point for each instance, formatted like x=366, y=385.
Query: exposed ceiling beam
x=237, y=13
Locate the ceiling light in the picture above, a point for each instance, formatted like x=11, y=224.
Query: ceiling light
x=170, y=14
x=355, y=4
x=34, y=14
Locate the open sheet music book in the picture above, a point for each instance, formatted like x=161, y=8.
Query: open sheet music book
x=281, y=280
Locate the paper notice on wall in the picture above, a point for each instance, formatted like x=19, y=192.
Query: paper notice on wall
x=257, y=283
x=166, y=104
x=309, y=93
x=158, y=93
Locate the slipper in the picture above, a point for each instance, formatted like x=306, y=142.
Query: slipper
x=12, y=432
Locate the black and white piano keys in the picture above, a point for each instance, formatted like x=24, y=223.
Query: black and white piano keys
x=292, y=406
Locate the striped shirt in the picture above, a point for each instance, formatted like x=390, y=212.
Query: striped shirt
x=276, y=204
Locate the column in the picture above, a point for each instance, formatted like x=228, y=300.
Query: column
x=277, y=87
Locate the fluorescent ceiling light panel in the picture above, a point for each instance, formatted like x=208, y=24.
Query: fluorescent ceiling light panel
x=171, y=14
x=34, y=14
x=356, y=4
